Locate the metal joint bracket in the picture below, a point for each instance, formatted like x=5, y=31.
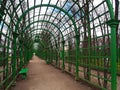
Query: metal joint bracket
x=21, y=41
x=63, y=42
x=113, y=22
x=56, y=45
x=77, y=36
x=15, y=35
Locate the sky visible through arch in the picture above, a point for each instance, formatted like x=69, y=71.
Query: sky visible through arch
x=43, y=9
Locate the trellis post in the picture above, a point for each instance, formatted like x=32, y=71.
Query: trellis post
x=77, y=56
x=15, y=35
x=63, y=62
x=113, y=23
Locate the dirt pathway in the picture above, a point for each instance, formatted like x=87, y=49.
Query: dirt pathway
x=45, y=77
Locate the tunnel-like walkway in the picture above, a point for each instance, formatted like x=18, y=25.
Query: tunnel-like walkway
x=45, y=77
x=80, y=37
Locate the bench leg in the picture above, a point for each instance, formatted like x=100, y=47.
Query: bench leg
x=24, y=76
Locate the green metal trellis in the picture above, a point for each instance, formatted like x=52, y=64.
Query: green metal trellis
x=81, y=39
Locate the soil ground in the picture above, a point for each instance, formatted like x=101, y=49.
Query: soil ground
x=46, y=77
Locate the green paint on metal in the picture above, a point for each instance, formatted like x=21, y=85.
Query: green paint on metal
x=46, y=22
x=63, y=47
x=48, y=5
x=47, y=31
x=77, y=56
x=113, y=24
x=73, y=39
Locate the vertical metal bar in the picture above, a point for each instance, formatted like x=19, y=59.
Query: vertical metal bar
x=89, y=40
x=77, y=56
x=21, y=63
x=63, y=63
x=113, y=23
x=113, y=58
x=14, y=55
x=47, y=56
x=56, y=58
x=7, y=62
x=25, y=56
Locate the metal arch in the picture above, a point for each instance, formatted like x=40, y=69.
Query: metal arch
x=41, y=28
x=36, y=28
x=110, y=7
x=113, y=24
x=107, y=2
x=47, y=15
x=50, y=33
x=112, y=34
x=14, y=10
x=56, y=49
x=44, y=25
x=47, y=22
x=44, y=30
x=43, y=45
x=48, y=5
x=33, y=34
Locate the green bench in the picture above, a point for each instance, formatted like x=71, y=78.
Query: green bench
x=23, y=72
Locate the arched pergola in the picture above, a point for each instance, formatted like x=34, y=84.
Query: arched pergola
x=78, y=35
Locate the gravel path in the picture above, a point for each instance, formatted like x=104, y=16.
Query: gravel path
x=45, y=77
